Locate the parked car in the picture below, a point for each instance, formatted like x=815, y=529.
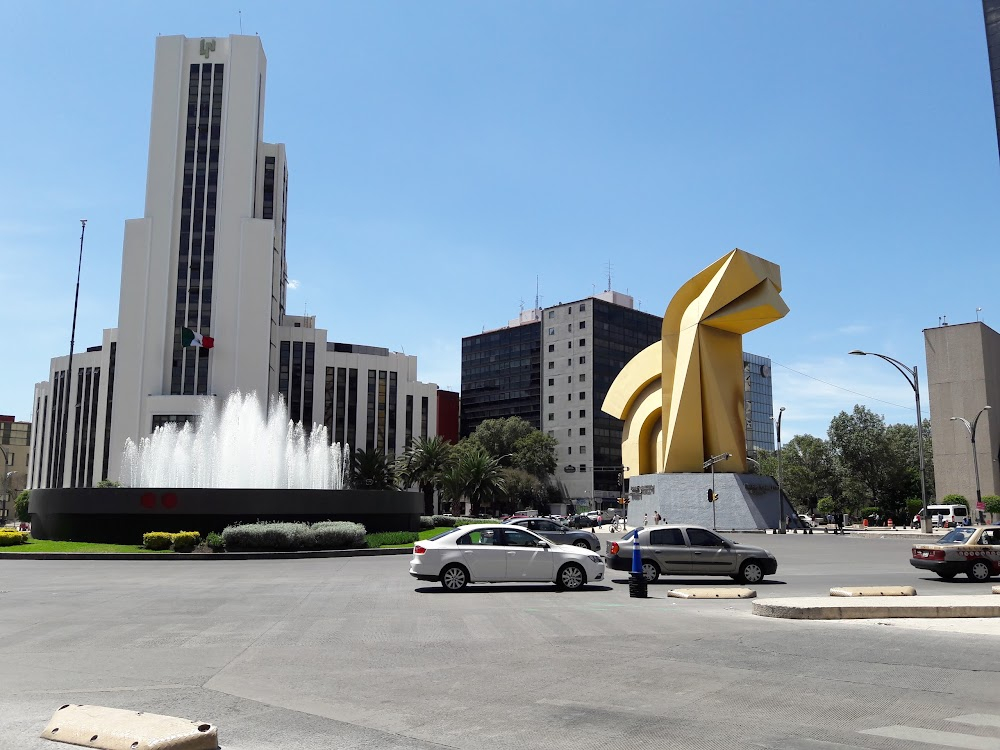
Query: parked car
x=495, y=553
x=806, y=520
x=973, y=550
x=685, y=550
x=582, y=522
x=559, y=533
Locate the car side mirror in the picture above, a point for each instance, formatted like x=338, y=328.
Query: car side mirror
x=544, y=545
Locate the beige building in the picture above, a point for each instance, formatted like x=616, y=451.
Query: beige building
x=963, y=376
x=15, y=437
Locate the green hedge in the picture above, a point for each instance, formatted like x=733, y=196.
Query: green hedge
x=12, y=538
x=286, y=537
x=459, y=520
x=214, y=542
x=157, y=540
x=185, y=541
x=427, y=522
x=390, y=538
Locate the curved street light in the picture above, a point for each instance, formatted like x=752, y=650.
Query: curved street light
x=911, y=377
x=975, y=458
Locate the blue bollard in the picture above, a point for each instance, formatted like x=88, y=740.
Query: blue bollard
x=636, y=583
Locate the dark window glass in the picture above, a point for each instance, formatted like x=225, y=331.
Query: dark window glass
x=666, y=537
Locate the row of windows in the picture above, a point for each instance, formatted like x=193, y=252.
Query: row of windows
x=569, y=309
x=581, y=449
x=569, y=378
x=569, y=397
x=569, y=345
x=569, y=415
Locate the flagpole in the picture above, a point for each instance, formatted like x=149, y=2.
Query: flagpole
x=69, y=367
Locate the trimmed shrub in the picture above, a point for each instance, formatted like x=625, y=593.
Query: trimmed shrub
x=266, y=536
x=443, y=521
x=214, y=542
x=390, y=538
x=337, y=535
x=427, y=522
x=12, y=538
x=992, y=503
x=157, y=540
x=953, y=499
x=185, y=541
x=463, y=521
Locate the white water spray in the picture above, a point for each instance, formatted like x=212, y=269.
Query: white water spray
x=240, y=446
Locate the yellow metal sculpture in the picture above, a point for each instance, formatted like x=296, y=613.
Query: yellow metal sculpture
x=682, y=399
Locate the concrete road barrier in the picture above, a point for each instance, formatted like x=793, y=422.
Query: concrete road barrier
x=874, y=591
x=996, y=589
x=872, y=608
x=117, y=729
x=708, y=593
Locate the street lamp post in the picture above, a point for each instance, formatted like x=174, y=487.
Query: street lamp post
x=6, y=486
x=780, y=526
x=911, y=377
x=710, y=464
x=975, y=458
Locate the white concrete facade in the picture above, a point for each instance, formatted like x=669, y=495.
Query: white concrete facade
x=207, y=255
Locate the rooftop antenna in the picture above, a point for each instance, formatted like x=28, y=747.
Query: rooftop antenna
x=609, y=275
x=978, y=310
x=537, y=305
x=522, y=305
x=240, y=13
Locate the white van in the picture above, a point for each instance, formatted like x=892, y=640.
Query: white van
x=947, y=515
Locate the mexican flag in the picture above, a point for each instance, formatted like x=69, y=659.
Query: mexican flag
x=192, y=338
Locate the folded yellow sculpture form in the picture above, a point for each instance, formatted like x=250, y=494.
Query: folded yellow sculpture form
x=682, y=399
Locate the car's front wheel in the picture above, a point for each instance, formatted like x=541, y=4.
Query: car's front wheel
x=582, y=543
x=454, y=578
x=980, y=570
x=571, y=577
x=751, y=572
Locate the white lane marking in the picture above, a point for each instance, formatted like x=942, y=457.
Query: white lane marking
x=978, y=720
x=934, y=737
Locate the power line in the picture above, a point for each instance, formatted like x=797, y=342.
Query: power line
x=839, y=387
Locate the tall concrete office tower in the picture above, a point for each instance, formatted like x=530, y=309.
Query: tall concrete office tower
x=209, y=253
x=991, y=18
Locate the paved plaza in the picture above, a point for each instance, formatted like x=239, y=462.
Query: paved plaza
x=353, y=653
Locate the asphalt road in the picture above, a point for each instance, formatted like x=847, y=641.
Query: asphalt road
x=353, y=653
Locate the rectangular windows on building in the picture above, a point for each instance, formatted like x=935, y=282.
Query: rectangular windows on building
x=569, y=344
x=583, y=377
x=552, y=399
x=583, y=467
x=583, y=360
x=583, y=430
x=569, y=396
x=569, y=415
x=409, y=420
x=583, y=395
x=552, y=365
x=372, y=410
x=583, y=342
x=583, y=449
x=583, y=308
x=552, y=417
x=552, y=381
x=583, y=324
x=552, y=347
x=552, y=314
x=583, y=412
x=552, y=331
x=569, y=450
x=424, y=416
x=352, y=407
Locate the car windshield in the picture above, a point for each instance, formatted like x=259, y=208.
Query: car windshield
x=957, y=536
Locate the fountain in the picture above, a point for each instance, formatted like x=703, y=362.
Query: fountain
x=240, y=447
x=239, y=464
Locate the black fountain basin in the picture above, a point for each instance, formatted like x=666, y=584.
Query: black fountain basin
x=121, y=515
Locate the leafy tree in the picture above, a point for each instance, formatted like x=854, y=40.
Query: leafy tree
x=914, y=505
x=873, y=460
x=954, y=499
x=424, y=463
x=992, y=503
x=21, y=506
x=826, y=505
x=523, y=490
x=373, y=470
x=107, y=483
x=535, y=453
x=499, y=437
x=808, y=470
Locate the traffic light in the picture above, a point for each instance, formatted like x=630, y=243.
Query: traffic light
x=712, y=495
x=715, y=496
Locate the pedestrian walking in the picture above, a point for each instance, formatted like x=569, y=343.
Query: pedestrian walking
x=645, y=519
x=657, y=518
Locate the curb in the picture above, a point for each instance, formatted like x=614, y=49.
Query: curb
x=301, y=554
x=819, y=608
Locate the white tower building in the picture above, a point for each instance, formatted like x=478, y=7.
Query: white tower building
x=208, y=255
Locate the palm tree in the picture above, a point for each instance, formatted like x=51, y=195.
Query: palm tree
x=481, y=477
x=373, y=470
x=425, y=463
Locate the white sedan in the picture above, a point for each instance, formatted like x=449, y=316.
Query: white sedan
x=495, y=553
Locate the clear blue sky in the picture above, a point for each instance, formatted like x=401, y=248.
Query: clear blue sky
x=443, y=155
